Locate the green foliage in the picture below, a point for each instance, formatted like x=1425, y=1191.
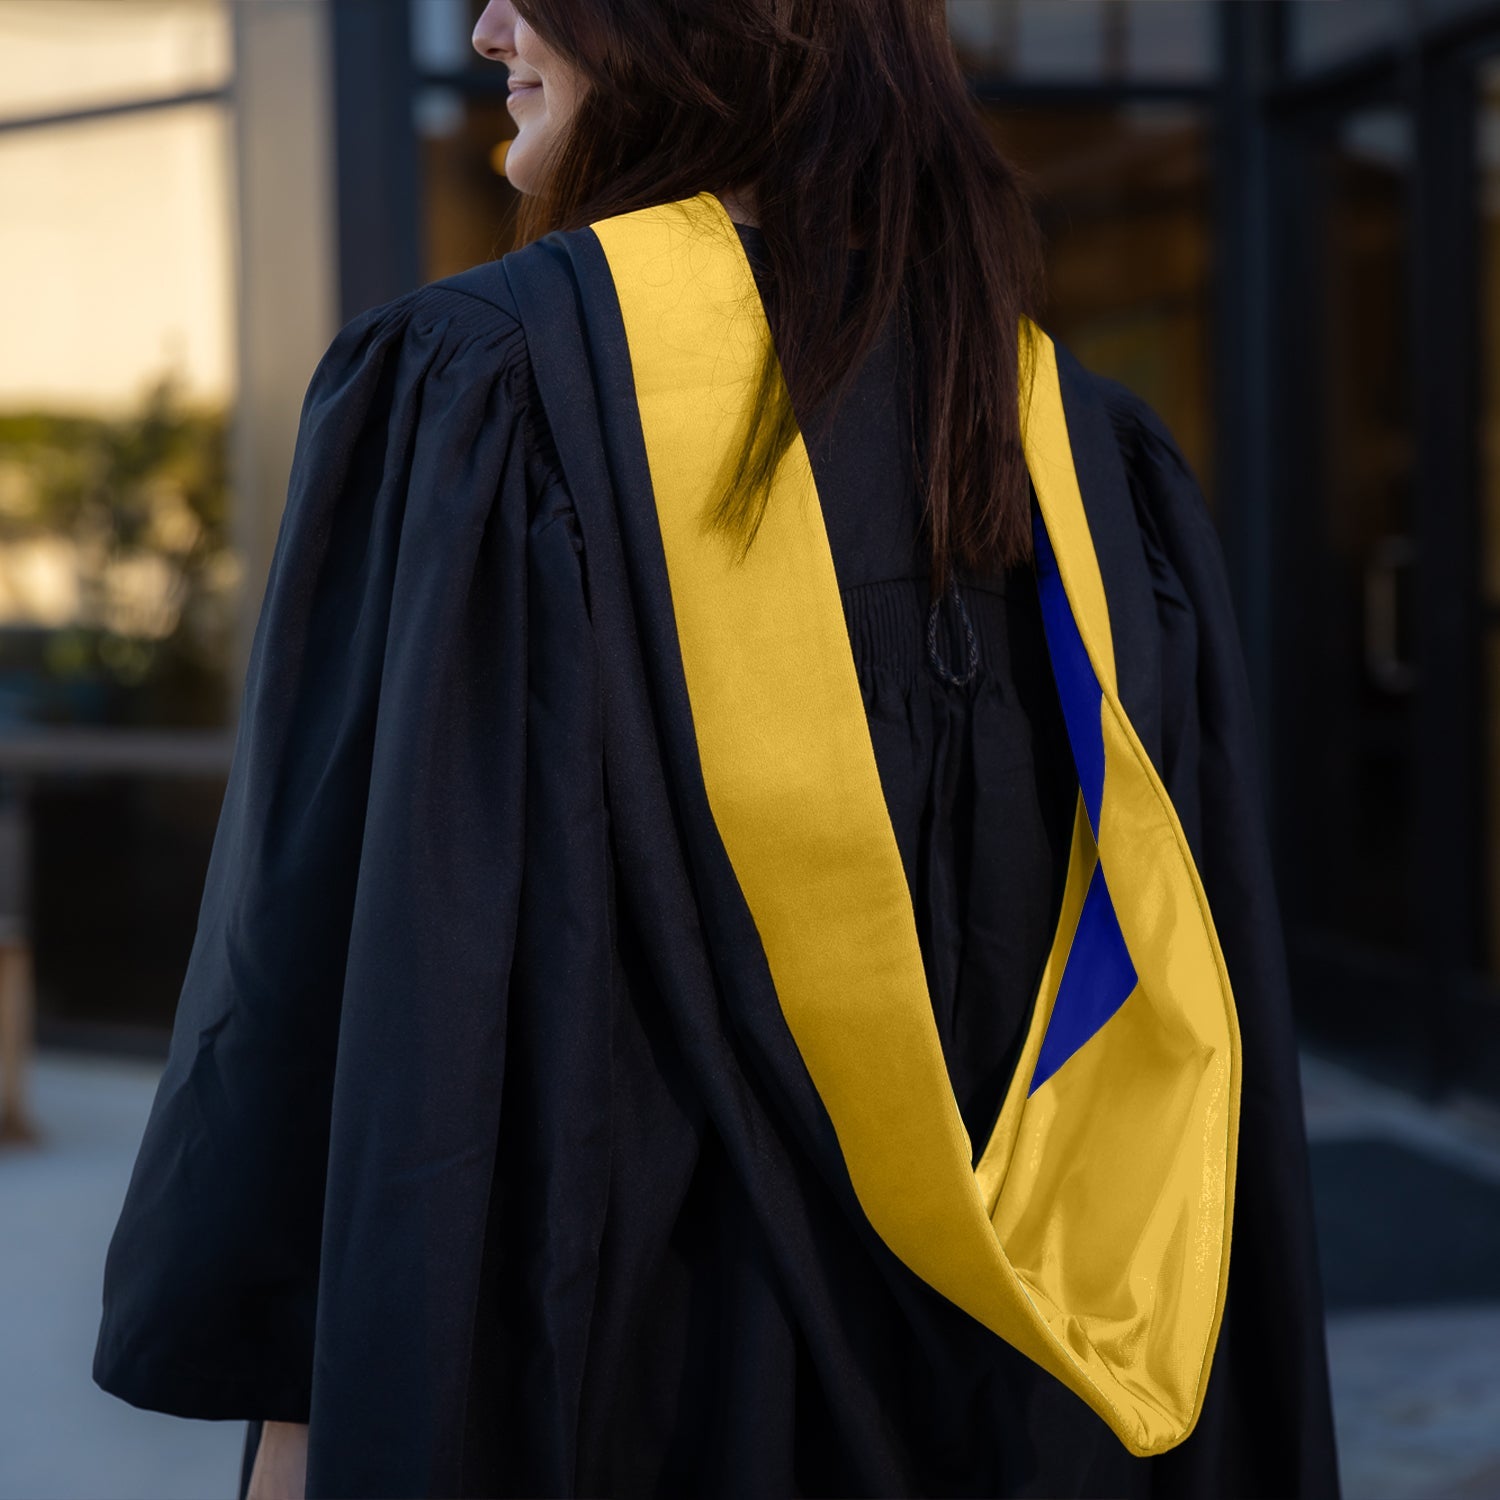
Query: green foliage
x=126, y=524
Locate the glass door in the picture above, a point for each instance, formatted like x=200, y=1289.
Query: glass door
x=1479, y=987
x=1388, y=625
x=1349, y=688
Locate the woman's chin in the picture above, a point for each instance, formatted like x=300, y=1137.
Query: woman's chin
x=519, y=170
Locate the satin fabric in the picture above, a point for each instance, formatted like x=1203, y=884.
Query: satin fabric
x=461, y=1150
x=1094, y=1235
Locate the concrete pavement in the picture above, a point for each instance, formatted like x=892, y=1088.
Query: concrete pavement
x=61, y=1437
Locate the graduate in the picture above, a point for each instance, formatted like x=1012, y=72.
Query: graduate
x=739, y=955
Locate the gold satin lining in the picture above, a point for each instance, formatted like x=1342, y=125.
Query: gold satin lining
x=1065, y=1240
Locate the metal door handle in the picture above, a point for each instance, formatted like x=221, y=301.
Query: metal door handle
x=1383, y=659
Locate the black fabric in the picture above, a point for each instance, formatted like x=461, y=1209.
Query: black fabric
x=482, y=1144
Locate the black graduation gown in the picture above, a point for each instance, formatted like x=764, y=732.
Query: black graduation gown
x=482, y=1143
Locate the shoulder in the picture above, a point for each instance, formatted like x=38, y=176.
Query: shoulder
x=450, y=354
x=475, y=310
x=446, y=317
x=1169, y=501
x=1143, y=436
x=1184, y=554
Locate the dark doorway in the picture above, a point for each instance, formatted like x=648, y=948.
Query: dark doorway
x=1385, y=746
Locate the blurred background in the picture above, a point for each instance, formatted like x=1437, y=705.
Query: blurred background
x=1278, y=220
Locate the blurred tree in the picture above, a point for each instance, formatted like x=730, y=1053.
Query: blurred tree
x=118, y=581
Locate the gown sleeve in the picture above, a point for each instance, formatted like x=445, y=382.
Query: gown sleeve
x=1267, y=1425
x=334, y=1069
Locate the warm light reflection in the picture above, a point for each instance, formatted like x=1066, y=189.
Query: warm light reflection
x=59, y=55
x=40, y=581
x=118, y=577
x=115, y=260
x=1124, y=196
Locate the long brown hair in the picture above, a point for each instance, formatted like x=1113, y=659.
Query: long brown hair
x=842, y=118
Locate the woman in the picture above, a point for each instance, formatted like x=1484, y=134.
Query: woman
x=540, y=1117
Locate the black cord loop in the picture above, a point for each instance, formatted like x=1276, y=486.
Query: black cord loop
x=934, y=659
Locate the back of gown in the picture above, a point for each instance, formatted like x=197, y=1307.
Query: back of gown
x=465, y=1154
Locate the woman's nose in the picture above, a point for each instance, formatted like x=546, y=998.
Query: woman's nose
x=495, y=30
